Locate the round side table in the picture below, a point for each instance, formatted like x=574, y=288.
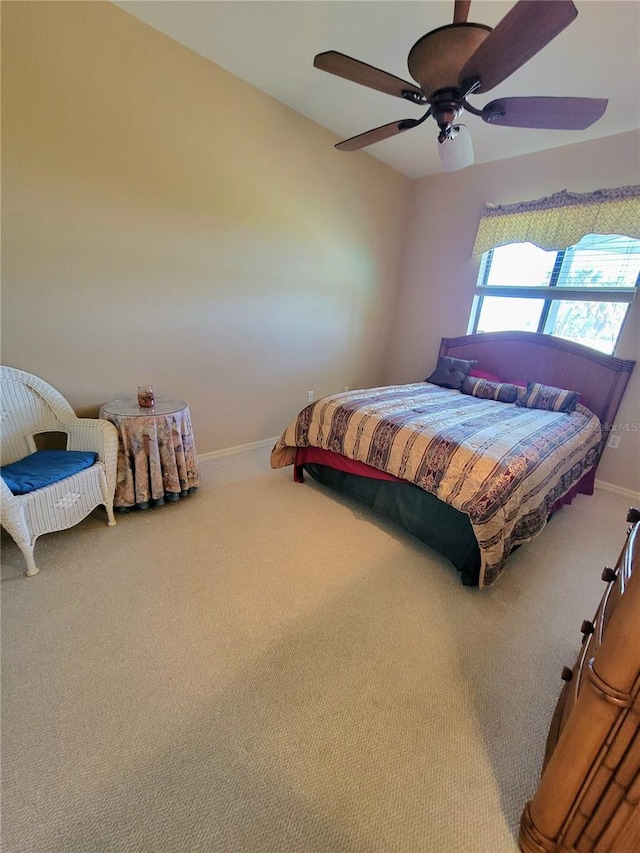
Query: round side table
x=157, y=459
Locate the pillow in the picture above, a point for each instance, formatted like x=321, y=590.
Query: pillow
x=484, y=374
x=45, y=467
x=488, y=390
x=450, y=372
x=539, y=396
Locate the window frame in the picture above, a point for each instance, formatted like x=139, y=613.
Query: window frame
x=549, y=293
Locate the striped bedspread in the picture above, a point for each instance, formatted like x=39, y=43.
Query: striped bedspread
x=502, y=465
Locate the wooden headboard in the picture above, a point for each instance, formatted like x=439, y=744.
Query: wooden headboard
x=522, y=356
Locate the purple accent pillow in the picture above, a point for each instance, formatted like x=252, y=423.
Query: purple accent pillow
x=450, y=372
x=485, y=389
x=546, y=397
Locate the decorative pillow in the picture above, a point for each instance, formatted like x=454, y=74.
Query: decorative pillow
x=45, y=467
x=450, y=372
x=538, y=396
x=488, y=390
x=484, y=374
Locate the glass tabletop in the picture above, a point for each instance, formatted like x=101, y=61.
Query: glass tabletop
x=128, y=407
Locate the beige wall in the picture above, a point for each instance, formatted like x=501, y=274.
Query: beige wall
x=440, y=273
x=166, y=223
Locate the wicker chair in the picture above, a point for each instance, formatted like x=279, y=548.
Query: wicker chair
x=30, y=406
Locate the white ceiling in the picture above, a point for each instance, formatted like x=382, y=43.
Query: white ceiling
x=271, y=44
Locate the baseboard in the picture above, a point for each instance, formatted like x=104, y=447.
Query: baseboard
x=618, y=490
x=240, y=448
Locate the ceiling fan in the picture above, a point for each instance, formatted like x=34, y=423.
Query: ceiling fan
x=461, y=59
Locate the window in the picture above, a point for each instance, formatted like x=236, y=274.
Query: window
x=581, y=293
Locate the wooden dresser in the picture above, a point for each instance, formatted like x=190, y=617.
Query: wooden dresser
x=588, y=798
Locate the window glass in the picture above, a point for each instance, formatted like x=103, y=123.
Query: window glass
x=520, y=265
x=597, y=261
x=498, y=313
x=601, y=261
x=594, y=324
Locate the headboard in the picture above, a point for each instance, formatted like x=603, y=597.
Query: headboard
x=522, y=356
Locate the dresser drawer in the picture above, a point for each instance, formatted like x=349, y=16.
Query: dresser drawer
x=592, y=633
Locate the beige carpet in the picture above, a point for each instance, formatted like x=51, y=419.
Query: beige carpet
x=263, y=668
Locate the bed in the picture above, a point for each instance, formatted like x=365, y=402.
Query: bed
x=471, y=477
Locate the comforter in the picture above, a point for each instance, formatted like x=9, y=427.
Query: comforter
x=502, y=465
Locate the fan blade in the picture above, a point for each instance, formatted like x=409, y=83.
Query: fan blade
x=547, y=113
x=456, y=153
x=359, y=72
x=355, y=143
x=523, y=31
x=461, y=11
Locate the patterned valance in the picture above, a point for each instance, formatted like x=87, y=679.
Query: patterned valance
x=560, y=220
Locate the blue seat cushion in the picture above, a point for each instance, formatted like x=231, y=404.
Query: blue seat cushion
x=45, y=467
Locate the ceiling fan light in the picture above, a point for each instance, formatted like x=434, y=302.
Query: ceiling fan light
x=456, y=152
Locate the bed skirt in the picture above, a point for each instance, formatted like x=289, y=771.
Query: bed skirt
x=438, y=525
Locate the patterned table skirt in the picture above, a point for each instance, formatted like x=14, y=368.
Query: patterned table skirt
x=157, y=459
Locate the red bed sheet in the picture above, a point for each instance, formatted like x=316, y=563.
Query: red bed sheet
x=315, y=455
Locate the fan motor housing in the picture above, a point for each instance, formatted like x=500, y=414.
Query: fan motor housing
x=436, y=60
